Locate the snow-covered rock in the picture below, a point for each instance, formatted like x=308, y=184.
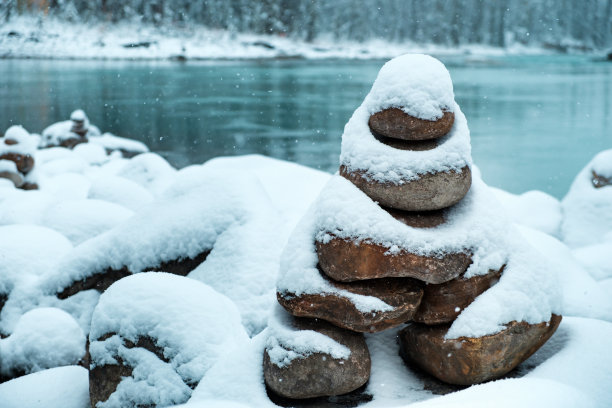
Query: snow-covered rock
x=43, y=338
x=587, y=207
x=166, y=331
x=120, y=191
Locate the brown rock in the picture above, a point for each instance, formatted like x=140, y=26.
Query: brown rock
x=320, y=374
x=29, y=186
x=346, y=261
x=414, y=145
x=102, y=280
x=402, y=294
x=418, y=219
x=432, y=191
x=16, y=178
x=24, y=162
x=442, y=303
x=395, y=123
x=466, y=360
x=104, y=379
x=600, y=181
x=71, y=142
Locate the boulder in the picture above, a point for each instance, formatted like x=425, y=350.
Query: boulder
x=395, y=123
x=24, y=162
x=102, y=280
x=431, y=191
x=402, y=294
x=320, y=374
x=346, y=261
x=472, y=360
x=442, y=303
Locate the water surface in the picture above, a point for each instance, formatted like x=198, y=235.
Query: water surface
x=535, y=121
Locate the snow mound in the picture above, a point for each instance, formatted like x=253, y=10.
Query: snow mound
x=110, y=142
x=120, y=191
x=361, y=151
x=418, y=84
x=224, y=382
x=188, y=321
x=63, y=387
x=43, y=338
x=92, y=153
x=58, y=132
x=587, y=210
x=24, y=207
x=534, y=209
x=79, y=116
x=150, y=170
x=66, y=186
x=8, y=166
x=80, y=220
x=582, y=295
x=596, y=259
x=286, y=343
x=24, y=143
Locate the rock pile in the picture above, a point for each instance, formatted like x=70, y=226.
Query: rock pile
x=17, y=157
x=399, y=243
x=69, y=133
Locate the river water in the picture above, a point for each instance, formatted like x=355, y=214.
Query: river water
x=535, y=120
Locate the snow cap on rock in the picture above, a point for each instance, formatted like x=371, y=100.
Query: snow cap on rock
x=418, y=84
x=78, y=116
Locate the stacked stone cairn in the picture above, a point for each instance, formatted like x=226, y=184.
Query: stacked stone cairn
x=332, y=277
x=17, y=157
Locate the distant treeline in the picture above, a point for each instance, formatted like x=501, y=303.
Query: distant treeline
x=553, y=23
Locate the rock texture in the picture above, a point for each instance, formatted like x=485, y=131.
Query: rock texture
x=600, y=181
x=419, y=219
x=102, y=280
x=320, y=374
x=346, y=261
x=466, y=361
x=413, y=145
x=442, y=303
x=432, y=191
x=404, y=295
x=395, y=123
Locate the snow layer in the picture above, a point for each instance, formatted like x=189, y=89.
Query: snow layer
x=188, y=320
x=111, y=142
x=26, y=143
x=120, y=191
x=63, y=387
x=149, y=170
x=534, y=209
x=587, y=211
x=418, y=84
x=43, y=338
x=361, y=151
x=286, y=343
x=596, y=259
x=8, y=166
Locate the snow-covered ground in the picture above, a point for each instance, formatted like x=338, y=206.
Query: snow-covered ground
x=28, y=37
x=94, y=210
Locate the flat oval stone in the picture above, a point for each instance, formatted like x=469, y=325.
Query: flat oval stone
x=432, y=191
x=347, y=261
x=402, y=294
x=396, y=123
x=320, y=374
x=442, y=303
x=413, y=145
x=467, y=360
x=418, y=219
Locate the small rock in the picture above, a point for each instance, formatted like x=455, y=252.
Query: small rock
x=395, y=123
x=346, y=261
x=600, y=181
x=467, y=360
x=419, y=219
x=444, y=302
x=320, y=374
x=432, y=191
x=402, y=294
x=413, y=145
x=24, y=162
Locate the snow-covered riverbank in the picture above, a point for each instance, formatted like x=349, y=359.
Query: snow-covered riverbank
x=28, y=37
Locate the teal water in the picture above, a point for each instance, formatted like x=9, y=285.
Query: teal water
x=535, y=120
